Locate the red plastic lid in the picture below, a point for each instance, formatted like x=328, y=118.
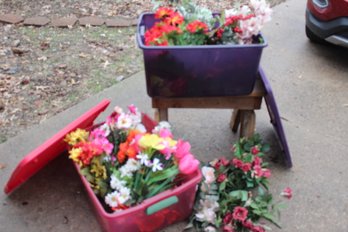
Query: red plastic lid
x=53, y=147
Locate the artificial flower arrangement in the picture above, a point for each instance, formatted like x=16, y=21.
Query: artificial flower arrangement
x=125, y=164
x=186, y=23
x=233, y=195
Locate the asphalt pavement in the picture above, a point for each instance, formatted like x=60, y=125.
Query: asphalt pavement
x=310, y=84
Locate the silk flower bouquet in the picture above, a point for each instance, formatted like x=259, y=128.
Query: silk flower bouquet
x=185, y=23
x=125, y=164
x=234, y=194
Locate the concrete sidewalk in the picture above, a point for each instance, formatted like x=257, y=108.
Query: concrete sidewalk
x=310, y=83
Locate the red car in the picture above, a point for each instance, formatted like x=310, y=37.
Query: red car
x=327, y=21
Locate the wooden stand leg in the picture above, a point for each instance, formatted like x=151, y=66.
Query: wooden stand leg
x=161, y=114
x=235, y=120
x=248, y=121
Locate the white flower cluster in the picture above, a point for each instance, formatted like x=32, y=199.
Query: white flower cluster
x=144, y=159
x=131, y=166
x=209, y=205
x=105, y=127
x=161, y=125
x=122, y=193
x=118, y=197
x=116, y=183
x=209, y=175
x=252, y=26
x=131, y=119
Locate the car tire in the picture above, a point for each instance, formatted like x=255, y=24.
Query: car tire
x=313, y=37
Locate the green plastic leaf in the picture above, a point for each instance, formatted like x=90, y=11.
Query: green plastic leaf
x=162, y=175
x=222, y=186
x=266, y=148
x=239, y=194
x=271, y=218
x=250, y=184
x=257, y=212
x=159, y=188
x=85, y=172
x=254, y=205
x=247, y=146
x=261, y=191
x=103, y=187
x=137, y=183
x=248, y=158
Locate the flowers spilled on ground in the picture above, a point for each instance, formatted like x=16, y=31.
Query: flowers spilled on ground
x=189, y=24
x=233, y=195
x=126, y=164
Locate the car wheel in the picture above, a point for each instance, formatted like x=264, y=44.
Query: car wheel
x=313, y=37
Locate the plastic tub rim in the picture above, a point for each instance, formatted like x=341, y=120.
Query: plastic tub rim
x=185, y=47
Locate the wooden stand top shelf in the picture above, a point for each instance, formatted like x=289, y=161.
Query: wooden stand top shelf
x=245, y=102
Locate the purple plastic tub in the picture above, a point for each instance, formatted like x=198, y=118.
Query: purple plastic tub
x=198, y=71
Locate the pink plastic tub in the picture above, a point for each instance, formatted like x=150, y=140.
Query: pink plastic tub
x=153, y=214
x=164, y=209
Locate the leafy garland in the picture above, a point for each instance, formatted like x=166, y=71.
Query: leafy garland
x=234, y=194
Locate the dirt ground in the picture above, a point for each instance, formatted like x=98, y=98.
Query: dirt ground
x=45, y=70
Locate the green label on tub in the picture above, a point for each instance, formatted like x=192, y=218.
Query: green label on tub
x=161, y=205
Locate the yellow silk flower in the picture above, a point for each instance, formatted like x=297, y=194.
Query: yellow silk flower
x=76, y=136
x=151, y=141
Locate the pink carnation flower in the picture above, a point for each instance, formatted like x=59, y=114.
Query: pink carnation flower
x=165, y=133
x=248, y=224
x=104, y=145
x=246, y=167
x=240, y=213
x=261, y=172
x=255, y=150
x=221, y=178
x=266, y=173
x=257, y=160
x=182, y=149
x=132, y=108
x=188, y=164
x=287, y=192
x=224, y=161
x=228, y=228
x=237, y=163
x=228, y=218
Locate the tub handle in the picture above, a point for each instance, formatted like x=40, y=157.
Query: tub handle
x=162, y=204
x=142, y=30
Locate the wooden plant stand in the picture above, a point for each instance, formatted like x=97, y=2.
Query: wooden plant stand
x=243, y=114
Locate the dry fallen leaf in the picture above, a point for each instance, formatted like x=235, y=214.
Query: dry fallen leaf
x=42, y=58
x=62, y=66
x=44, y=45
x=106, y=63
x=83, y=55
x=19, y=51
x=2, y=105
